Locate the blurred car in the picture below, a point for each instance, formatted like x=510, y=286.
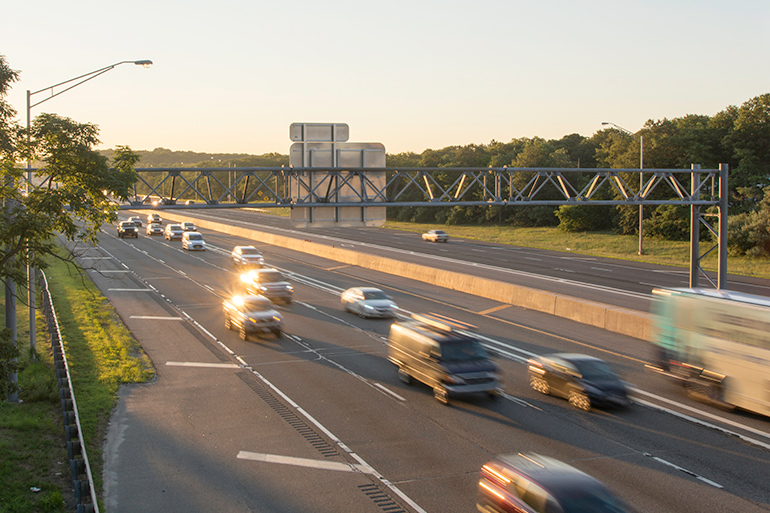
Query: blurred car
x=435, y=236
x=247, y=256
x=173, y=231
x=192, y=241
x=136, y=220
x=127, y=229
x=154, y=229
x=189, y=202
x=252, y=314
x=583, y=380
x=368, y=302
x=528, y=483
x=189, y=226
x=154, y=218
x=269, y=283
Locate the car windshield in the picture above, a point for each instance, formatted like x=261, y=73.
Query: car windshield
x=374, y=294
x=438, y=232
x=174, y=227
x=249, y=251
x=463, y=351
x=257, y=306
x=594, y=369
x=126, y=224
x=270, y=277
x=195, y=236
x=587, y=499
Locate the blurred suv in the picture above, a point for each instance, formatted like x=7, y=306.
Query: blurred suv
x=154, y=229
x=173, y=231
x=127, y=229
x=252, y=314
x=530, y=483
x=269, y=283
x=154, y=218
x=583, y=380
x=247, y=256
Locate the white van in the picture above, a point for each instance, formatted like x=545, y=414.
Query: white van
x=193, y=241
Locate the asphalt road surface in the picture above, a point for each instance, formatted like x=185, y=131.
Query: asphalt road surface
x=318, y=420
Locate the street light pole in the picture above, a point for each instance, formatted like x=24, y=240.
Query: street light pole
x=31, y=271
x=640, y=138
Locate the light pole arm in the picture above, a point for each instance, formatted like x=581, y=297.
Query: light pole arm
x=85, y=78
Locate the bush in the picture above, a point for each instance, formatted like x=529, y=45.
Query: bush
x=584, y=218
x=8, y=363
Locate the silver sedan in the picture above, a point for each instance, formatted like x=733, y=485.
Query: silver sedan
x=368, y=302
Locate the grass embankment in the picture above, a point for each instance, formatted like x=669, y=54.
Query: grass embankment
x=102, y=354
x=605, y=244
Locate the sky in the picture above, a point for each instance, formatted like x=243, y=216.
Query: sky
x=231, y=76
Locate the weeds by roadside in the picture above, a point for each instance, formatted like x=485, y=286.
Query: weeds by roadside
x=34, y=475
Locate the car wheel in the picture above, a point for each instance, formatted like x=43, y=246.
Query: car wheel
x=539, y=384
x=278, y=333
x=579, y=400
x=404, y=376
x=362, y=313
x=243, y=333
x=441, y=395
x=228, y=324
x=288, y=301
x=346, y=306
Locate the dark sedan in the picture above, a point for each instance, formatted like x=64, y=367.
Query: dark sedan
x=583, y=380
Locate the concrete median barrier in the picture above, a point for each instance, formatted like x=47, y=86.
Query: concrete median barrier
x=619, y=320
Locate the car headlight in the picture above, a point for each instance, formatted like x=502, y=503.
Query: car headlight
x=289, y=287
x=369, y=307
x=262, y=288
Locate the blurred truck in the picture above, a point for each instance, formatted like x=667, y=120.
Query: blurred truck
x=716, y=343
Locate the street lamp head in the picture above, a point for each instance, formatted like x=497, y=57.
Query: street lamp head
x=145, y=62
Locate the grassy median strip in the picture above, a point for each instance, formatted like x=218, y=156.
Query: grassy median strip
x=598, y=244
x=102, y=354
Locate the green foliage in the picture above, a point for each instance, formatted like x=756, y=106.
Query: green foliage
x=584, y=218
x=669, y=222
x=749, y=232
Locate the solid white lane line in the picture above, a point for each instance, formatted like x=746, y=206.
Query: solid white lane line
x=389, y=391
x=129, y=290
x=155, y=318
x=204, y=365
x=689, y=472
x=104, y=271
x=304, y=462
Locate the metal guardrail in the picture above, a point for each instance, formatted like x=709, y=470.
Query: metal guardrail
x=80, y=470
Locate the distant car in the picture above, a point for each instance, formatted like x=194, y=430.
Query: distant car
x=247, y=256
x=154, y=229
x=189, y=202
x=127, y=229
x=154, y=218
x=368, y=302
x=189, y=226
x=435, y=236
x=136, y=220
x=583, y=380
x=192, y=241
x=252, y=314
x=269, y=283
x=527, y=483
x=173, y=231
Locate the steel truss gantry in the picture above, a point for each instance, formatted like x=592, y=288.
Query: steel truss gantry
x=286, y=186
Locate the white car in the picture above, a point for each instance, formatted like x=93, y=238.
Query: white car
x=247, y=256
x=193, y=241
x=368, y=302
x=173, y=231
x=435, y=236
x=189, y=226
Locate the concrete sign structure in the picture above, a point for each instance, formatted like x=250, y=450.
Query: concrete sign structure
x=324, y=145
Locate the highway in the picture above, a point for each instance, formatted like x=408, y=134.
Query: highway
x=619, y=282
x=318, y=420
